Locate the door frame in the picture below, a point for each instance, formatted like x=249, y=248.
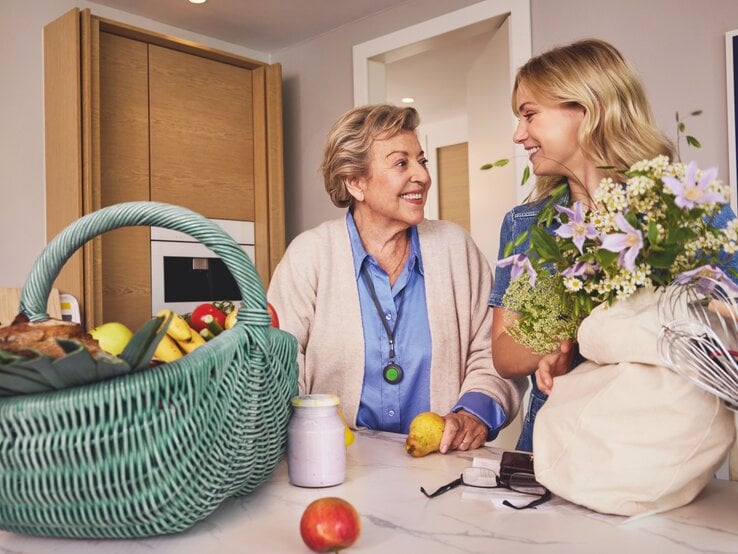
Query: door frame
x=369, y=74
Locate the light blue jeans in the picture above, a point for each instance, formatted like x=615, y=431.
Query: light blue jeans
x=537, y=399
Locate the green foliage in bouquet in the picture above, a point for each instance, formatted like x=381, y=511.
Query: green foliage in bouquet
x=550, y=317
x=34, y=372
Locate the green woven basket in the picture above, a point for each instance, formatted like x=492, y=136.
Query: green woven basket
x=152, y=452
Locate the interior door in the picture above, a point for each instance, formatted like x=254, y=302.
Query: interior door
x=453, y=184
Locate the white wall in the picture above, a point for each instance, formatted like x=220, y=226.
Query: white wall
x=491, y=193
x=435, y=135
x=22, y=209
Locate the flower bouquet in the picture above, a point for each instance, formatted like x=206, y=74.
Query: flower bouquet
x=655, y=227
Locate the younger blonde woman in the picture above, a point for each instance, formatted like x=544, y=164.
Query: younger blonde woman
x=581, y=107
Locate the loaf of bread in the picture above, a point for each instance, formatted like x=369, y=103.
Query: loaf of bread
x=23, y=337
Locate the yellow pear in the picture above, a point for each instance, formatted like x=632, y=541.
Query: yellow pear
x=425, y=434
x=348, y=434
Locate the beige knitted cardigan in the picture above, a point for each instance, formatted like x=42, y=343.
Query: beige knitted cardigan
x=315, y=294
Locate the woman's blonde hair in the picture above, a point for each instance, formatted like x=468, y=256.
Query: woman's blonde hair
x=618, y=127
x=346, y=152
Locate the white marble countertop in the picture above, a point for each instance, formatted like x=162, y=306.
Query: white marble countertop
x=383, y=484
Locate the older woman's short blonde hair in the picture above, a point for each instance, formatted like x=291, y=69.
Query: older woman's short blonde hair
x=346, y=152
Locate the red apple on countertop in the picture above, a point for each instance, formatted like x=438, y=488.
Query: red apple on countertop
x=330, y=524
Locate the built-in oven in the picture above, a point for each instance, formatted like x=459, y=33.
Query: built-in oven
x=185, y=272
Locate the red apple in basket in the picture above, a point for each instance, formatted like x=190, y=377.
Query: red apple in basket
x=273, y=313
x=330, y=524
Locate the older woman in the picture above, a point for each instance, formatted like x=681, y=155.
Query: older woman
x=390, y=309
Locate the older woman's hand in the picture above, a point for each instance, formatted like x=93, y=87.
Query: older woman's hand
x=463, y=431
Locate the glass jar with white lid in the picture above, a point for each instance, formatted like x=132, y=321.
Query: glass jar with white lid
x=316, y=449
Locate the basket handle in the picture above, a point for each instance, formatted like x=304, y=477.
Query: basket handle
x=47, y=266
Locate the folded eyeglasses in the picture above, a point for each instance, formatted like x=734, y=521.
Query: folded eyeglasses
x=484, y=478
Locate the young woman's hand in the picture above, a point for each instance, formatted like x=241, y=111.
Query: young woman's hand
x=463, y=431
x=554, y=364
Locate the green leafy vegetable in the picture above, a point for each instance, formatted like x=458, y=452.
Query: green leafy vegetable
x=33, y=372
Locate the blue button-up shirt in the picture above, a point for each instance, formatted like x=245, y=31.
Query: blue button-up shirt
x=392, y=407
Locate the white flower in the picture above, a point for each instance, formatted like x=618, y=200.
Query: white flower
x=572, y=284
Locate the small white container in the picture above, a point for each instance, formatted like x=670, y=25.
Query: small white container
x=316, y=451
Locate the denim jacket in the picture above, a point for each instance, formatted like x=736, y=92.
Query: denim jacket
x=517, y=221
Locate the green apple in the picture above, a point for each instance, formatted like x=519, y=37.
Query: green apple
x=112, y=337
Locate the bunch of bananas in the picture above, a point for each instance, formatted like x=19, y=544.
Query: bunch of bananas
x=180, y=338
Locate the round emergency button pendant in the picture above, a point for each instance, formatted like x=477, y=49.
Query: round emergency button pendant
x=392, y=373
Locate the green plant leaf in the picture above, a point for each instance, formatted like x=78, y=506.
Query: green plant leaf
x=632, y=218
x=499, y=163
x=526, y=175
x=693, y=141
x=545, y=245
x=653, y=232
x=20, y=371
x=16, y=385
x=521, y=238
x=43, y=367
x=606, y=258
x=77, y=367
x=143, y=343
x=662, y=259
x=696, y=112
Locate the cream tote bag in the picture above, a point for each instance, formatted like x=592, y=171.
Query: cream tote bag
x=621, y=433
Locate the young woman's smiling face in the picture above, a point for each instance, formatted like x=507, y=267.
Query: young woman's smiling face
x=548, y=132
x=396, y=189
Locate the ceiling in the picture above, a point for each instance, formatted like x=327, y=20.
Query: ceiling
x=263, y=25
x=271, y=25
x=418, y=69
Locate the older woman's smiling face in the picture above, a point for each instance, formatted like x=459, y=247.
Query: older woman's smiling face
x=395, y=191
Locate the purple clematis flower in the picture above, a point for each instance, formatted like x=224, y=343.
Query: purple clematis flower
x=577, y=229
x=705, y=278
x=520, y=263
x=581, y=269
x=628, y=243
x=691, y=192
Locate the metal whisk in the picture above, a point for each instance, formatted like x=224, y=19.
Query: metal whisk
x=699, y=336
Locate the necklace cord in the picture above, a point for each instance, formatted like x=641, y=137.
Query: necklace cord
x=373, y=292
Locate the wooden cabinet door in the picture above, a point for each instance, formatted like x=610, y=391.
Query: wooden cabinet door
x=201, y=125
x=124, y=175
